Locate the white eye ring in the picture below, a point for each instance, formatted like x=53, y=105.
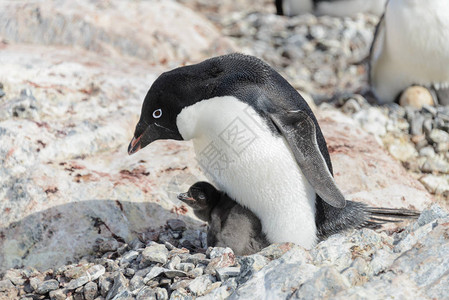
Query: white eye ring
x=157, y=113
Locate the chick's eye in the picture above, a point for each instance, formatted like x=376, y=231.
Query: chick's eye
x=201, y=196
x=157, y=113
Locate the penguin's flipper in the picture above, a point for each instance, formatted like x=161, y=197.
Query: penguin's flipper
x=300, y=132
x=376, y=48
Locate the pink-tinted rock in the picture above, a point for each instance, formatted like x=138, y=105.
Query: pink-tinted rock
x=364, y=171
x=158, y=31
x=65, y=176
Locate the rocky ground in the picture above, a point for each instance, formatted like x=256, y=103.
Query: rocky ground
x=82, y=220
x=358, y=264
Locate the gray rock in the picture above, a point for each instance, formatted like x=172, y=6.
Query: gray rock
x=136, y=283
x=439, y=136
x=372, y=120
x=176, y=224
x=76, y=283
x=164, y=282
x=427, y=126
x=161, y=294
x=174, y=273
x=431, y=109
x=325, y=283
x=136, y=244
x=173, y=263
x=25, y=107
x=95, y=272
x=416, y=124
x=436, y=184
x=143, y=272
x=442, y=147
x=222, y=292
x=182, y=284
x=407, y=242
x=154, y=272
x=105, y=285
x=15, y=276
x=155, y=253
x=91, y=274
x=249, y=265
x=106, y=245
x=5, y=284
x=59, y=294
x=197, y=258
x=90, y=291
x=119, y=288
x=199, y=285
x=214, y=252
x=351, y=106
x=224, y=273
x=427, y=151
x=381, y=261
x=433, y=213
x=129, y=257
x=180, y=295
x=186, y=267
x=427, y=262
x=191, y=239
x=124, y=295
x=275, y=251
x=34, y=282
x=436, y=164
x=47, y=286
x=146, y=293
x=279, y=278
x=197, y=271
x=129, y=272
x=353, y=276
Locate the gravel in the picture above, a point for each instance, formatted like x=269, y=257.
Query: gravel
x=347, y=263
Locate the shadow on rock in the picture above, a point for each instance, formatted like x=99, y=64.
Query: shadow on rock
x=63, y=233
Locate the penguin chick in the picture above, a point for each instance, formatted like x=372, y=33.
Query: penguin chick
x=230, y=224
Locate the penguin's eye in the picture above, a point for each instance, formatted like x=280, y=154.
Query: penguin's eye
x=157, y=113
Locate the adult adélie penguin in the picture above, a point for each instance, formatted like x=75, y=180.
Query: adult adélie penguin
x=411, y=47
x=256, y=138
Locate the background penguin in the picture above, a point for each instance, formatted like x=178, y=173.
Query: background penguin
x=338, y=8
x=255, y=137
x=411, y=46
x=230, y=225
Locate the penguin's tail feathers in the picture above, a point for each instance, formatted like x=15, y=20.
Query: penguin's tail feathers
x=357, y=215
x=378, y=216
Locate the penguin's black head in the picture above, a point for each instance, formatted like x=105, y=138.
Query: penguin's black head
x=169, y=94
x=201, y=195
x=185, y=86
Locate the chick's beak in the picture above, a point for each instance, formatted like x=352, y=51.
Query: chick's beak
x=185, y=197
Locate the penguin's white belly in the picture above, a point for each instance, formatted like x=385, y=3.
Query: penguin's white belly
x=297, y=7
x=239, y=153
x=416, y=47
x=344, y=8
